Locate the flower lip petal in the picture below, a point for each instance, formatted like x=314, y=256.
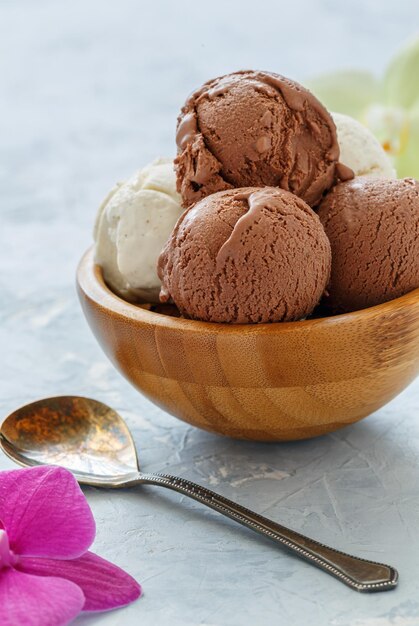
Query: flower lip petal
x=45, y=513
x=104, y=585
x=5, y=554
x=27, y=600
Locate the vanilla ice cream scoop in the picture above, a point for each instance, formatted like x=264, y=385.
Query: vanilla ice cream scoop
x=132, y=225
x=360, y=150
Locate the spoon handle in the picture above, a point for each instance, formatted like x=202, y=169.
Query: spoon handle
x=359, y=574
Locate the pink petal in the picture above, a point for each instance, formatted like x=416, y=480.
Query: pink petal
x=104, y=585
x=34, y=601
x=45, y=513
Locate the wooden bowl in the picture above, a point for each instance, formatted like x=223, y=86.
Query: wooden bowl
x=269, y=382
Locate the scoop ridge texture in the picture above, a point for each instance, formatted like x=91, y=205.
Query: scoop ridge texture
x=373, y=228
x=256, y=129
x=246, y=255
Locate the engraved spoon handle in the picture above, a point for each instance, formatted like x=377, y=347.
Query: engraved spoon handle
x=357, y=573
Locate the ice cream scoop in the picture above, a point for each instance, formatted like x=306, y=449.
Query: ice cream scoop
x=246, y=255
x=360, y=150
x=256, y=129
x=373, y=228
x=132, y=225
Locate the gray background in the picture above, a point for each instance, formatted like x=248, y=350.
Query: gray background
x=89, y=91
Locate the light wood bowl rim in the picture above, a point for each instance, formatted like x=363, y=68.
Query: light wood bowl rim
x=90, y=281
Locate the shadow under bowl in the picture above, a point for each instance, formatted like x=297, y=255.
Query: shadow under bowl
x=267, y=382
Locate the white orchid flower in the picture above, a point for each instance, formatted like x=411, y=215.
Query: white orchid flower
x=388, y=107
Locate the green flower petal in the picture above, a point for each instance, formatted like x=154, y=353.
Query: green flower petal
x=407, y=163
x=401, y=80
x=347, y=91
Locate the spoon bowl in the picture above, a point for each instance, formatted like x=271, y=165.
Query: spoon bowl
x=83, y=435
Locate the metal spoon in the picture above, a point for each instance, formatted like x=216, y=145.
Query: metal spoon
x=93, y=442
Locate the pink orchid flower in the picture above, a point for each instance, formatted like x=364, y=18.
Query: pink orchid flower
x=47, y=576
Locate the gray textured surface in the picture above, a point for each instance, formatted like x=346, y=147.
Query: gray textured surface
x=89, y=92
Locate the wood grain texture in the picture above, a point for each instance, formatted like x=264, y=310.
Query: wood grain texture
x=269, y=382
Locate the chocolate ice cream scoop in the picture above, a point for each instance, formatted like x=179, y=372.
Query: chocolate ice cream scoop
x=373, y=228
x=246, y=256
x=256, y=129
